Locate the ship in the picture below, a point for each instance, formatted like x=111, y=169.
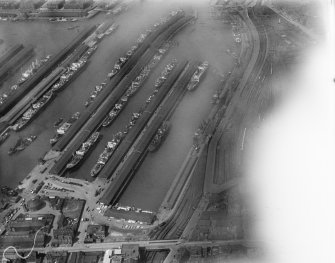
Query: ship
x=64, y=127
x=32, y=69
x=21, y=144
x=4, y=137
x=90, y=52
x=85, y=147
x=197, y=76
x=111, y=29
x=58, y=122
x=106, y=154
x=32, y=111
x=72, y=27
x=94, y=94
x=115, y=111
x=110, y=117
x=132, y=89
x=72, y=70
x=55, y=139
x=159, y=137
x=113, y=73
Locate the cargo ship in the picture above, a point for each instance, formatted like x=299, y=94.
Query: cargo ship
x=71, y=71
x=106, y=154
x=64, y=127
x=35, y=65
x=194, y=82
x=85, y=147
x=32, y=111
x=4, y=137
x=159, y=137
x=115, y=111
x=21, y=144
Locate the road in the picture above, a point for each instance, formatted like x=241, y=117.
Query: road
x=152, y=245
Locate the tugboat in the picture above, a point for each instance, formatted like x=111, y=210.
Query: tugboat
x=197, y=76
x=3, y=137
x=106, y=154
x=159, y=137
x=79, y=154
x=21, y=144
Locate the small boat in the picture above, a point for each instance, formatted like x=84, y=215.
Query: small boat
x=159, y=137
x=4, y=137
x=58, y=122
x=22, y=143
x=113, y=73
x=110, y=117
x=55, y=139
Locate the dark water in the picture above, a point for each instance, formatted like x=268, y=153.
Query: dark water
x=206, y=40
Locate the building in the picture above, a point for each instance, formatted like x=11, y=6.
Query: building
x=59, y=257
x=77, y=4
x=63, y=236
x=130, y=253
x=55, y=4
x=26, y=222
x=95, y=233
x=63, y=13
x=22, y=239
x=29, y=5
x=9, y=4
x=147, y=218
x=68, y=222
x=35, y=204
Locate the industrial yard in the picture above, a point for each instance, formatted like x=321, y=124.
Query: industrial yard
x=123, y=134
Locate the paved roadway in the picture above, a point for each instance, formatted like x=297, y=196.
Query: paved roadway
x=149, y=245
